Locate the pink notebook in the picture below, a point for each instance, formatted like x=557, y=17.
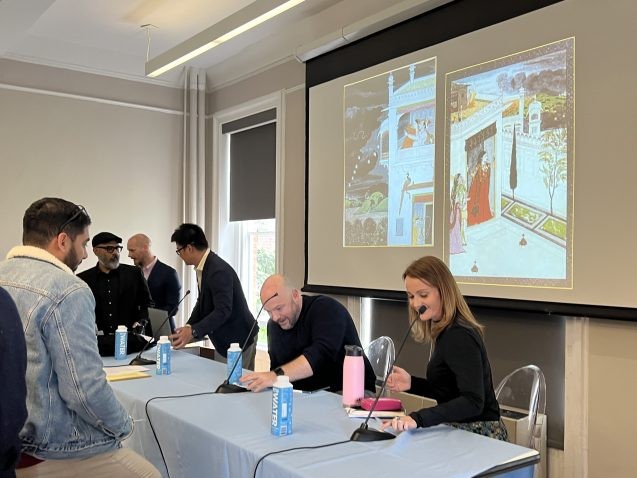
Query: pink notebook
x=384, y=403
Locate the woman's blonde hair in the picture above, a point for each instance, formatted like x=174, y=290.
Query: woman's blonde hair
x=432, y=270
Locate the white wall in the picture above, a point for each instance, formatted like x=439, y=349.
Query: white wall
x=612, y=378
x=120, y=159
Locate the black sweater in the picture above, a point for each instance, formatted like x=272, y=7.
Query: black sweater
x=320, y=334
x=459, y=378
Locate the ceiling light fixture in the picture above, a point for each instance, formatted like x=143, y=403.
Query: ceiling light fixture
x=239, y=22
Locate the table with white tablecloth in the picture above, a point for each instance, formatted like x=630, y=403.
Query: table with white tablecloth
x=226, y=435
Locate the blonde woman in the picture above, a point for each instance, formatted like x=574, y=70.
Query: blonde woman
x=458, y=372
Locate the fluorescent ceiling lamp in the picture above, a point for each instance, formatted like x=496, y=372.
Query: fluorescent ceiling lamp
x=239, y=22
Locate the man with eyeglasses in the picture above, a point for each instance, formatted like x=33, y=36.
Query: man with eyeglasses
x=121, y=292
x=75, y=425
x=221, y=311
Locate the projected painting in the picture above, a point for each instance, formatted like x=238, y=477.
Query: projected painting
x=389, y=145
x=510, y=168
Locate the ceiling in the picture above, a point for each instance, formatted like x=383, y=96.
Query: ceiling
x=105, y=36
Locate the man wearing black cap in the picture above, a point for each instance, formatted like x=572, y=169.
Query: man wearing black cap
x=121, y=293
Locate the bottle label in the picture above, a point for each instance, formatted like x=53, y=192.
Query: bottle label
x=281, y=411
x=234, y=356
x=163, y=359
x=121, y=345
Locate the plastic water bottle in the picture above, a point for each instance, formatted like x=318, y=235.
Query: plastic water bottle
x=234, y=355
x=282, y=406
x=163, y=356
x=121, y=342
x=353, y=376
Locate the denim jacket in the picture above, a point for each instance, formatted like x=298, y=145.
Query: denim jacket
x=72, y=410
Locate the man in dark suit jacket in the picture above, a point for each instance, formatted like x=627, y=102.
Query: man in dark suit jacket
x=162, y=279
x=13, y=365
x=121, y=293
x=221, y=311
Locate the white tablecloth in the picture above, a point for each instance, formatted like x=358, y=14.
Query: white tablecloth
x=225, y=435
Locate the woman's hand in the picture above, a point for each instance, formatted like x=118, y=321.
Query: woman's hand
x=400, y=424
x=399, y=380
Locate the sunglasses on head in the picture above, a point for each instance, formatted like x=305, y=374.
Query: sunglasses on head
x=76, y=215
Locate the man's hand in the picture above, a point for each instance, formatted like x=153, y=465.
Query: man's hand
x=257, y=381
x=181, y=337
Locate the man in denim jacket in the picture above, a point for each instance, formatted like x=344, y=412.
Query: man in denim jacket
x=75, y=423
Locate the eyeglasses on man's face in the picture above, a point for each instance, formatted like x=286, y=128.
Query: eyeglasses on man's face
x=178, y=251
x=110, y=249
x=76, y=215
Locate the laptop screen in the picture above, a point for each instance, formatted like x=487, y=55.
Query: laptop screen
x=158, y=323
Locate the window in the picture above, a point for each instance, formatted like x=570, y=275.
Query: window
x=247, y=195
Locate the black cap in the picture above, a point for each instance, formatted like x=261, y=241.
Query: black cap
x=105, y=237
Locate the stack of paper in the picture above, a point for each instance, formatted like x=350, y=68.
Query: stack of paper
x=127, y=372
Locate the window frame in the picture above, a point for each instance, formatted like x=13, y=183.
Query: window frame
x=224, y=235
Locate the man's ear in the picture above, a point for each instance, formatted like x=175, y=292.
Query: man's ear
x=62, y=241
x=59, y=245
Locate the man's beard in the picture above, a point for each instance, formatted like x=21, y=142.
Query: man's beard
x=72, y=260
x=111, y=264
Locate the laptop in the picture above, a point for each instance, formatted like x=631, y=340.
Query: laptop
x=157, y=317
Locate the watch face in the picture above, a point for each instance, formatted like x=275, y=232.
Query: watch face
x=279, y=371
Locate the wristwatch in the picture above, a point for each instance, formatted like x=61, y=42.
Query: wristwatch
x=194, y=333
x=279, y=371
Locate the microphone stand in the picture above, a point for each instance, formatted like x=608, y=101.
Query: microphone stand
x=364, y=433
x=139, y=360
x=226, y=386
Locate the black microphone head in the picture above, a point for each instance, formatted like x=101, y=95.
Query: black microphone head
x=422, y=309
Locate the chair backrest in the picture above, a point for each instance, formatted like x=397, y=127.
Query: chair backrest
x=381, y=354
x=525, y=389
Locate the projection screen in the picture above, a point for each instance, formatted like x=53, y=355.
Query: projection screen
x=506, y=151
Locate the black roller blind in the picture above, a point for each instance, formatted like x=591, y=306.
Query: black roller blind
x=252, y=167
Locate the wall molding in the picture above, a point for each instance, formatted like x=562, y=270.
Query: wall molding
x=93, y=99
x=95, y=71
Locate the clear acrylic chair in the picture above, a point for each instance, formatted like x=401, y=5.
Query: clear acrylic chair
x=525, y=389
x=381, y=354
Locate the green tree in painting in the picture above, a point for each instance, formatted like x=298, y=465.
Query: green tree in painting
x=513, y=171
x=553, y=160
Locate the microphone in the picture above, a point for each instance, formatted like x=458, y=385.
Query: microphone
x=139, y=360
x=226, y=386
x=364, y=433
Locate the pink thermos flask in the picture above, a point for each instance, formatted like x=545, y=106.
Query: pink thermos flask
x=353, y=376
